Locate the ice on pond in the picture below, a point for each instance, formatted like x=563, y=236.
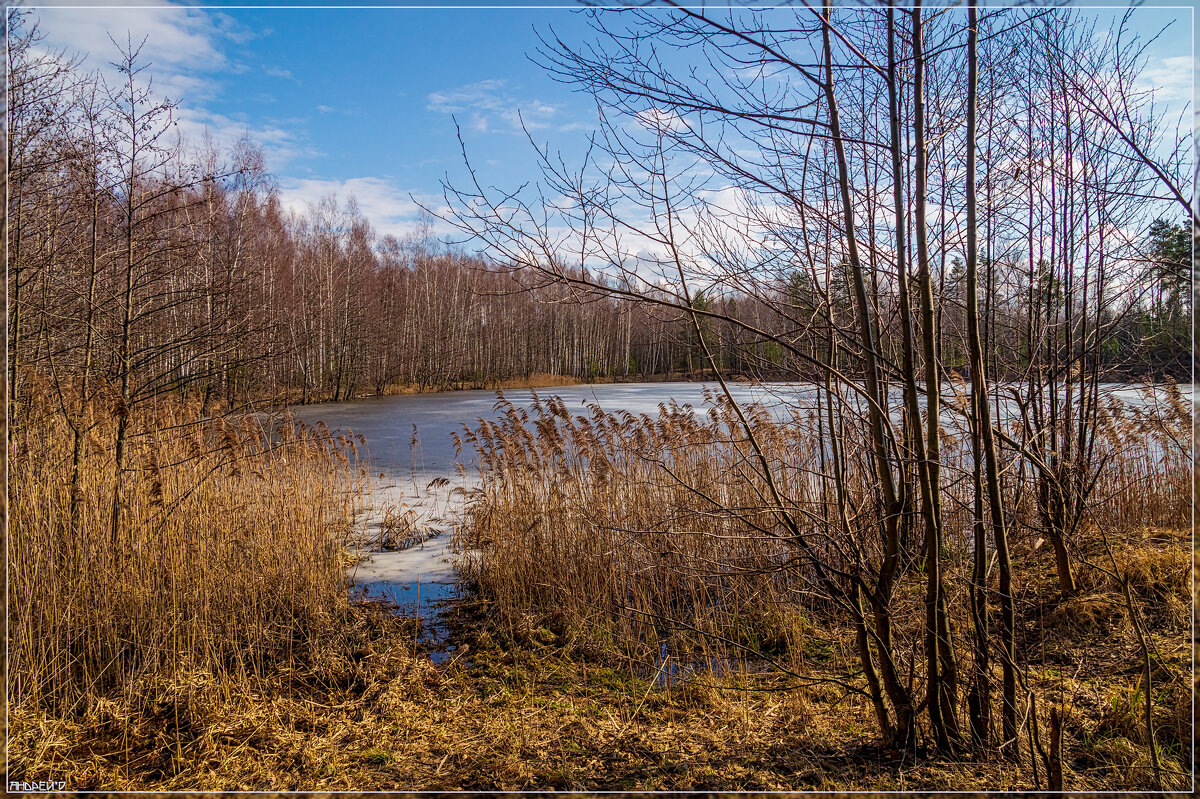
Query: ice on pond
x=415, y=476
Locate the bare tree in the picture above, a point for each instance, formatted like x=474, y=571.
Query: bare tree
x=754, y=173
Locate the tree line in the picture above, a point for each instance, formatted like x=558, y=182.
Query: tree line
x=140, y=265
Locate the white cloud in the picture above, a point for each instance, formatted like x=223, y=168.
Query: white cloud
x=1170, y=78
x=660, y=120
x=280, y=144
x=186, y=53
x=390, y=209
x=489, y=107
x=179, y=40
x=483, y=94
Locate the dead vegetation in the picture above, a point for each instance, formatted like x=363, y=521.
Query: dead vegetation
x=536, y=706
x=851, y=597
x=252, y=671
x=648, y=542
x=221, y=561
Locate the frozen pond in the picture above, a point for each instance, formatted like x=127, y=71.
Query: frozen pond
x=412, y=464
x=413, y=469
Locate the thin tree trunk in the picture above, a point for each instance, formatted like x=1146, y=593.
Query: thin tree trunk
x=940, y=667
x=900, y=697
x=980, y=699
x=77, y=449
x=877, y=404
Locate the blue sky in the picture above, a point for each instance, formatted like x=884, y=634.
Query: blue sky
x=360, y=101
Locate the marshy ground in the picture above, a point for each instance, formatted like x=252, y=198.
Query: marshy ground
x=532, y=706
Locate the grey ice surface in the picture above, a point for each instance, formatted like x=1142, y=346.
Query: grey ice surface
x=412, y=463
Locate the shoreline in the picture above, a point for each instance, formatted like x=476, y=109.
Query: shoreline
x=559, y=381
x=536, y=381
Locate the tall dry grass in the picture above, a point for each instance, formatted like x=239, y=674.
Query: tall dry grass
x=656, y=536
x=651, y=536
x=226, y=561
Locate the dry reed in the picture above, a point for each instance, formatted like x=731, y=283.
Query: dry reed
x=226, y=559
x=653, y=539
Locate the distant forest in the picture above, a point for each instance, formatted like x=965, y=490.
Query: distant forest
x=142, y=263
